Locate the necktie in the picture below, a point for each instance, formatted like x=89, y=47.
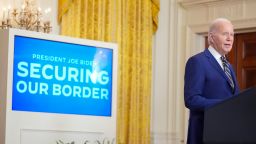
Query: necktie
x=227, y=72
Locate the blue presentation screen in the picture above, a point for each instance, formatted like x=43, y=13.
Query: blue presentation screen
x=58, y=77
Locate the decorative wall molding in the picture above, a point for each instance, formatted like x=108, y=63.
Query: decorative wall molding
x=234, y=10
x=187, y=4
x=238, y=11
x=240, y=26
x=245, y=25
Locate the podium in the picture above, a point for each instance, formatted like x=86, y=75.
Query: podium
x=232, y=121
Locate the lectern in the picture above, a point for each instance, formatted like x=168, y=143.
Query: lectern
x=232, y=121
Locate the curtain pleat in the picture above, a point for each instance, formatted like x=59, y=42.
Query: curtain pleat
x=131, y=25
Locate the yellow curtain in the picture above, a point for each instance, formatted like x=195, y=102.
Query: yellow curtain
x=131, y=24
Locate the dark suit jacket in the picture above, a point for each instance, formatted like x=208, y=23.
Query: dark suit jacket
x=205, y=85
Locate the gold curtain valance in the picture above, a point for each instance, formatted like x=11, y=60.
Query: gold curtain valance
x=64, y=5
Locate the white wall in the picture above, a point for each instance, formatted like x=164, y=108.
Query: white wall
x=168, y=111
x=160, y=83
x=44, y=4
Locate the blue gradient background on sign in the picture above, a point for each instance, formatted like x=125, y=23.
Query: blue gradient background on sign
x=24, y=47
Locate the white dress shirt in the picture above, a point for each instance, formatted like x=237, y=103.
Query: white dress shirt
x=216, y=55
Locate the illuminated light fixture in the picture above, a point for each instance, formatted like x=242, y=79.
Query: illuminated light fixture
x=28, y=17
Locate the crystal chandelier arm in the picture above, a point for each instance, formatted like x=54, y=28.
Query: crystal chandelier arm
x=28, y=17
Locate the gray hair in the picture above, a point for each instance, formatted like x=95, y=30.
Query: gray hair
x=214, y=26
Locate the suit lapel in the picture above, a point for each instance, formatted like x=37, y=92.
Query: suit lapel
x=215, y=64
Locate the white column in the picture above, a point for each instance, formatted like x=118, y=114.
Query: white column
x=168, y=111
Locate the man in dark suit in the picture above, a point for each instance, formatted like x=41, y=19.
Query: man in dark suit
x=209, y=78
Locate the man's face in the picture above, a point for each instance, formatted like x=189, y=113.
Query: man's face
x=223, y=37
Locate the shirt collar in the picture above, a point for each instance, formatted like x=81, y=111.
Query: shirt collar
x=215, y=54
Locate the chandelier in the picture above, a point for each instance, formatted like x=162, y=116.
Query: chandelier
x=28, y=17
